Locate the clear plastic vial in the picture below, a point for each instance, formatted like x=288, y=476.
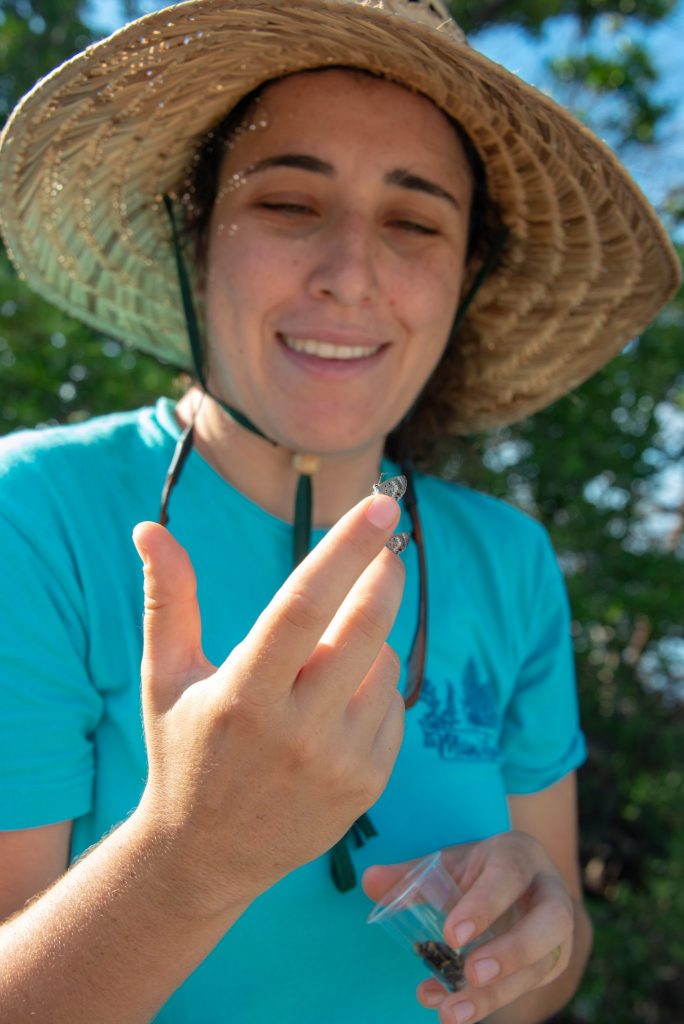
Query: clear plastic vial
x=414, y=911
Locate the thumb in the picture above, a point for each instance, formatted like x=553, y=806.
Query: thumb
x=172, y=651
x=379, y=879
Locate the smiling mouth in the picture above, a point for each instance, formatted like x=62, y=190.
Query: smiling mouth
x=326, y=350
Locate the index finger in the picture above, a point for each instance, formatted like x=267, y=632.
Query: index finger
x=489, y=898
x=288, y=630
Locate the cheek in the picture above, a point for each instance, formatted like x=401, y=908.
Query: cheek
x=249, y=275
x=233, y=282
x=427, y=308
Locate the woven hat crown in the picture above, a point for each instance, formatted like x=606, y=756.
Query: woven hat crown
x=432, y=13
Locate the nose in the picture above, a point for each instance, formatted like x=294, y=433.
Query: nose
x=345, y=268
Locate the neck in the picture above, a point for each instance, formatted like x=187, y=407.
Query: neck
x=264, y=472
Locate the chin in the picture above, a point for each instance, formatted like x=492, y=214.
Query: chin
x=341, y=443
x=327, y=430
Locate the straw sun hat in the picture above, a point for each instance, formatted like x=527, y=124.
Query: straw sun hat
x=88, y=154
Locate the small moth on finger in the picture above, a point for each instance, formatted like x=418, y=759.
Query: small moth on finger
x=395, y=487
x=398, y=542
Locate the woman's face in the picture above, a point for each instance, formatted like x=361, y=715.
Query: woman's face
x=335, y=259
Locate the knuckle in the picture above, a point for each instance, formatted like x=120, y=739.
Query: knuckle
x=387, y=747
x=370, y=622
x=501, y=851
x=502, y=875
x=445, y=1012
x=357, y=789
x=391, y=663
x=520, y=868
x=565, y=918
x=369, y=790
x=521, y=955
x=564, y=958
x=552, y=965
x=361, y=776
x=544, y=971
x=376, y=784
x=242, y=676
x=157, y=599
x=236, y=713
x=397, y=710
x=302, y=611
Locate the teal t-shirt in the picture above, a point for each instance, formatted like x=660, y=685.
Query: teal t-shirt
x=497, y=715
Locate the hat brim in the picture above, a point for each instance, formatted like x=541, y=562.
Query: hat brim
x=87, y=156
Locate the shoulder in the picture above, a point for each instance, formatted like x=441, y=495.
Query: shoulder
x=46, y=445
x=102, y=451
x=58, y=471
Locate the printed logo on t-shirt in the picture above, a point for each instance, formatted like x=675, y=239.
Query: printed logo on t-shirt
x=461, y=720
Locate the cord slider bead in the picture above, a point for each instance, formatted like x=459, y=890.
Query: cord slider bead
x=307, y=465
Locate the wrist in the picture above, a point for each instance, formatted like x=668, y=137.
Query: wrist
x=183, y=876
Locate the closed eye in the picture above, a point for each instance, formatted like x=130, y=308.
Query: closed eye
x=288, y=208
x=414, y=227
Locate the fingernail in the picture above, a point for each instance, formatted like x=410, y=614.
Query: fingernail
x=485, y=970
x=463, y=1012
x=464, y=932
x=382, y=511
x=433, y=999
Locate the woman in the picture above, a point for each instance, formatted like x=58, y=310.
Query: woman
x=338, y=229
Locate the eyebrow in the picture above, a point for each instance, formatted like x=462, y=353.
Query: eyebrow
x=300, y=160
x=400, y=177
x=405, y=179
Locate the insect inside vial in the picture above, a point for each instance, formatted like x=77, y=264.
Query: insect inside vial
x=395, y=487
x=447, y=963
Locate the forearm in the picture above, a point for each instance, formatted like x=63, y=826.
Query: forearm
x=110, y=941
x=541, y=1003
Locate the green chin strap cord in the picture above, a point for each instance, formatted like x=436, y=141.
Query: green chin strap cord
x=341, y=864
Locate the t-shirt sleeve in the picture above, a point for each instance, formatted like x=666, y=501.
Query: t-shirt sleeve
x=541, y=738
x=48, y=705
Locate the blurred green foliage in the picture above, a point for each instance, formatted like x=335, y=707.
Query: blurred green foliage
x=56, y=370
x=598, y=468
x=34, y=38
x=628, y=78
x=533, y=14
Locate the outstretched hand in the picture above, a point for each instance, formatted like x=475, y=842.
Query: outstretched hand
x=262, y=763
x=509, y=876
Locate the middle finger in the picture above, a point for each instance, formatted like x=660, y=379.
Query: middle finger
x=547, y=924
x=355, y=637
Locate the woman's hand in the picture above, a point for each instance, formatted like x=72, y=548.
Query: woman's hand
x=510, y=876
x=262, y=764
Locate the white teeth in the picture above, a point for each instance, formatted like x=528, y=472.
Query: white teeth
x=324, y=350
